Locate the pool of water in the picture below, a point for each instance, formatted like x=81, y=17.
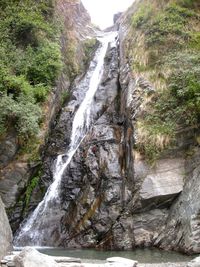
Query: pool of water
x=141, y=255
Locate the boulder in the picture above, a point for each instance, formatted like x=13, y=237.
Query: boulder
x=194, y=263
x=5, y=232
x=30, y=257
x=120, y=262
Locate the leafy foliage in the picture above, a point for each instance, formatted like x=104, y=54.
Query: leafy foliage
x=171, y=43
x=89, y=46
x=29, y=190
x=30, y=62
x=23, y=112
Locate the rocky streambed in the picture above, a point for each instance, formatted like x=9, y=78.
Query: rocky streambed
x=30, y=257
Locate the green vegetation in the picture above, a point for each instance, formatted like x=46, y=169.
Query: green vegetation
x=72, y=64
x=172, y=46
x=142, y=16
x=30, y=62
x=72, y=68
x=89, y=46
x=32, y=185
x=65, y=97
x=22, y=112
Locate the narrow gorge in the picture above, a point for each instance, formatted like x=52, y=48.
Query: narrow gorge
x=115, y=163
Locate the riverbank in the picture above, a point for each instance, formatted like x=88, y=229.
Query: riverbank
x=30, y=257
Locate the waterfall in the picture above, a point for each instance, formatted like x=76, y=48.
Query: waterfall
x=33, y=231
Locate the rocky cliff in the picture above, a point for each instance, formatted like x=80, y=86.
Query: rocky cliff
x=20, y=162
x=134, y=180
x=5, y=232
x=165, y=150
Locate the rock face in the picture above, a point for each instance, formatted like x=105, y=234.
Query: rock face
x=16, y=168
x=157, y=185
x=5, y=232
x=111, y=197
x=182, y=230
x=173, y=182
x=116, y=17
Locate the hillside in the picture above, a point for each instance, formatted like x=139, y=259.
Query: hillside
x=160, y=77
x=163, y=48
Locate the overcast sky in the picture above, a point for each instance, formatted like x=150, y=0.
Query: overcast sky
x=102, y=11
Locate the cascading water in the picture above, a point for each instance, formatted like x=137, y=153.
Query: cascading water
x=33, y=230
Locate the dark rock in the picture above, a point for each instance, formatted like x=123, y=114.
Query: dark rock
x=8, y=148
x=13, y=179
x=182, y=230
x=116, y=17
x=5, y=232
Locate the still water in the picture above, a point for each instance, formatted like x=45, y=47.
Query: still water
x=141, y=255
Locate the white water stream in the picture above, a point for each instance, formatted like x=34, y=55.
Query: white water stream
x=31, y=230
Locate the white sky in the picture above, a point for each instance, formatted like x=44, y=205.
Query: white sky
x=102, y=11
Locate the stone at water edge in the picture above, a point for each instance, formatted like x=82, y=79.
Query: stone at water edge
x=30, y=257
x=120, y=262
x=194, y=263
x=5, y=232
x=66, y=260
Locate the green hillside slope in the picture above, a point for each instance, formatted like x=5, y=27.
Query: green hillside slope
x=164, y=47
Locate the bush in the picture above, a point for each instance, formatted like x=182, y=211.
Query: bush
x=23, y=112
x=46, y=64
x=170, y=22
x=30, y=62
x=154, y=136
x=89, y=46
x=142, y=16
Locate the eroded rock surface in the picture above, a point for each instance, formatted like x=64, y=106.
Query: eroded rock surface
x=5, y=232
x=182, y=229
x=164, y=181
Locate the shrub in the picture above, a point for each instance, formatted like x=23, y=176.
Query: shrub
x=30, y=62
x=88, y=47
x=46, y=64
x=170, y=22
x=142, y=16
x=23, y=112
x=29, y=190
x=154, y=135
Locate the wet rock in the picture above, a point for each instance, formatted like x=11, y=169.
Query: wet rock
x=5, y=232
